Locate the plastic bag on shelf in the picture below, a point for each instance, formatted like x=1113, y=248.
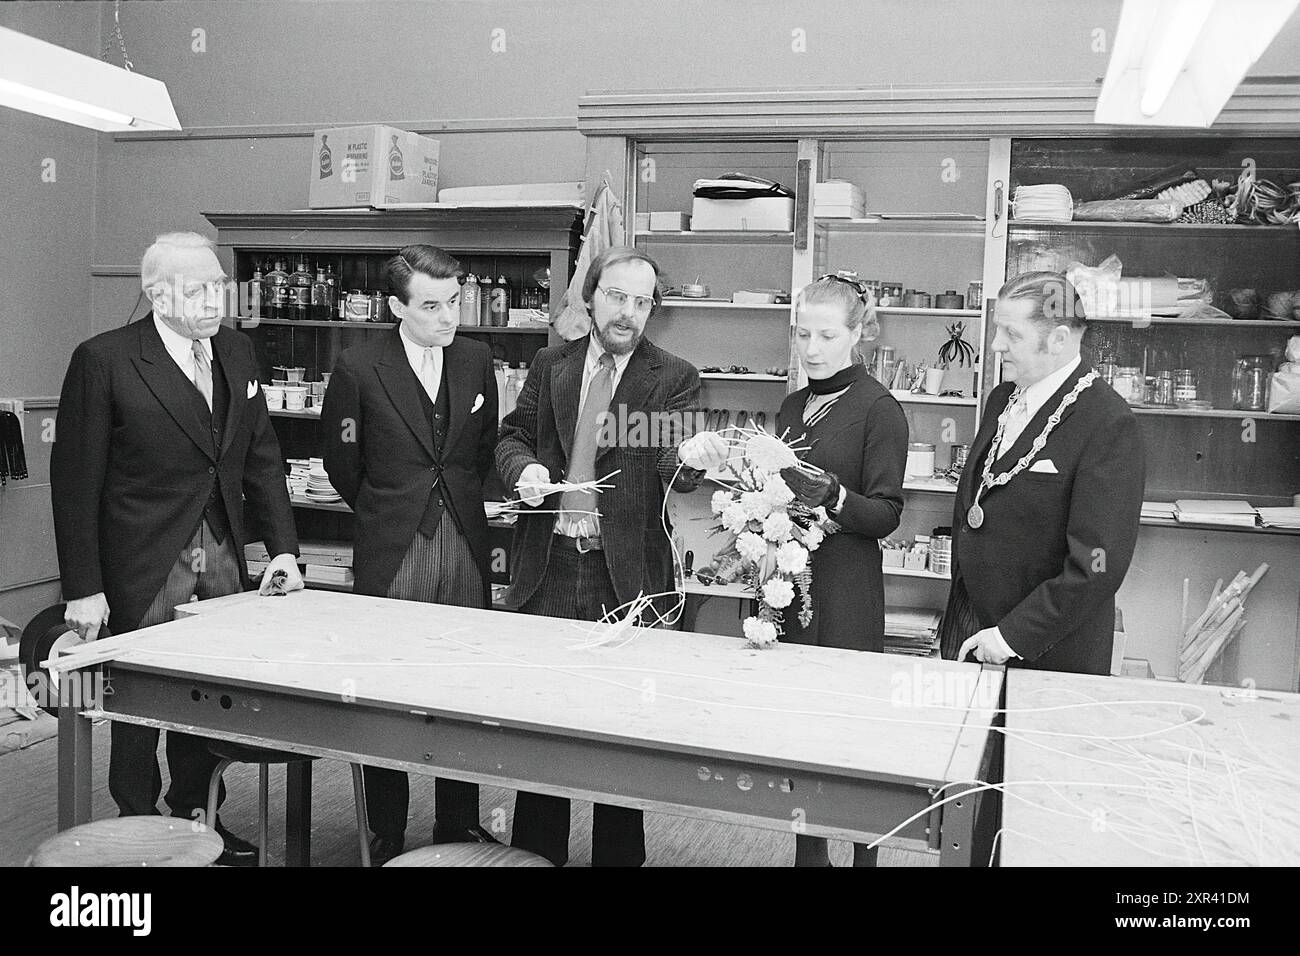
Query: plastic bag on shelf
x=1098, y=286
x=1284, y=394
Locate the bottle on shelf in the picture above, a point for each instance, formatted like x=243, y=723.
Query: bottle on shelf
x=332, y=296
x=469, y=298
x=300, y=282
x=499, y=306
x=512, y=385
x=485, y=300
x=322, y=308
x=277, y=289
x=255, y=292
x=499, y=371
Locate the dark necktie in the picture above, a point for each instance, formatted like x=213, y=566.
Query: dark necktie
x=582, y=460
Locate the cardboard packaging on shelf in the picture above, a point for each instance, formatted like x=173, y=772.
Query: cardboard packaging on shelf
x=766, y=214
x=371, y=165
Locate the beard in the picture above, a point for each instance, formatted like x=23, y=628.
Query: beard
x=615, y=347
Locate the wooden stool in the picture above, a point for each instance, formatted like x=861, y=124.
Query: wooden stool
x=231, y=752
x=131, y=841
x=468, y=854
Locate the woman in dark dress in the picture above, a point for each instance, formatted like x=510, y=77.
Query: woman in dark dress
x=858, y=435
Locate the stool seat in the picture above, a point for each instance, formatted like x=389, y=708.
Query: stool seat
x=130, y=841
x=246, y=753
x=468, y=854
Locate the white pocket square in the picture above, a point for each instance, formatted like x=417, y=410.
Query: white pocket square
x=252, y=388
x=478, y=403
x=1044, y=467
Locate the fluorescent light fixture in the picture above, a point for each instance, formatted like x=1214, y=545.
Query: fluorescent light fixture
x=42, y=78
x=1176, y=62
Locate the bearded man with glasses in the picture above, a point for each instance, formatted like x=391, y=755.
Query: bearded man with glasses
x=585, y=553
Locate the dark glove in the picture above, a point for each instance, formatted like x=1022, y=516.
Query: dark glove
x=812, y=490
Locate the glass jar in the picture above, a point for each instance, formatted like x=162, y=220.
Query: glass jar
x=1127, y=382
x=1250, y=381
x=1184, y=385
x=1164, y=391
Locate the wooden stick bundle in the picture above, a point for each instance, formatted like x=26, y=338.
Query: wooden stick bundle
x=1220, y=622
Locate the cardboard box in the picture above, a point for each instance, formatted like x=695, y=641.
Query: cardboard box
x=768, y=214
x=837, y=192
x=826, y=211
x=669, y=222
x=642, y=222
x=371, y=165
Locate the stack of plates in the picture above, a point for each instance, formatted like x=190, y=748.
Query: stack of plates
x=319, y=487
x=1048, y=203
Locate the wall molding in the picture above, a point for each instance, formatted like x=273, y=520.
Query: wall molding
x=518, y=124
x=115, y=271
x=1265, y=106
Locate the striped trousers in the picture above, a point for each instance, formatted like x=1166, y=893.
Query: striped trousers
x=437, y=570
x=203, y=569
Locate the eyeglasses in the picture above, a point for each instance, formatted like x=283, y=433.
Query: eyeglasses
x=850, y=280
x=618, y=298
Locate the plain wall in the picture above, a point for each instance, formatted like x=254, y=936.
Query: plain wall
x=69, y=248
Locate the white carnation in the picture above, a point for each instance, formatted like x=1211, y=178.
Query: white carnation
x=768, y=453
x=776, y=526
x=792, y=557
x=734, y=518
x=752, y=548
x=778, y=593
x=813, y=537
x=755, y=505
x=721, y=499
x=760, y=633
x=777, y=491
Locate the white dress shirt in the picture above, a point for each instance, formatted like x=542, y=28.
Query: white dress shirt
x=1032, y=399
x=180, y=348
x=415, y=355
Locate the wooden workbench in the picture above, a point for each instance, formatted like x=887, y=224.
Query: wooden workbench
x=1158, y=774
x=816, y=740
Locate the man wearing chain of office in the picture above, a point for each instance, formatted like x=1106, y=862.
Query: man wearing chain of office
x=1047, y=509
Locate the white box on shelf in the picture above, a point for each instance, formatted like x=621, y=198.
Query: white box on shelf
x=838, y=192
x=642, y=222
x=767, y=214
x=824, y=211
x=669, y=222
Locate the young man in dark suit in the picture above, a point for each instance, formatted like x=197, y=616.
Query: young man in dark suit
x=163, y=434
x=1048, y=506
x=410, y=423
x=600, y=551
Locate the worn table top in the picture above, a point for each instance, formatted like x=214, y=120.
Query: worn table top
x=1108, y=771
x=858, y=713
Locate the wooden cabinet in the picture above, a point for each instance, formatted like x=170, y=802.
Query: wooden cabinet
x=530, y=246
x=945, y=161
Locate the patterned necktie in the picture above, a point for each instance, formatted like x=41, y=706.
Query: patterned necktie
x=1017, y=419
x=202, y=372
x=429, y=374
x=582, y=460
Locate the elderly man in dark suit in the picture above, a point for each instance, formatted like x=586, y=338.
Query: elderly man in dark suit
x=410, y=424
x=163, y=435
x=1047, y=510
x=599, y=551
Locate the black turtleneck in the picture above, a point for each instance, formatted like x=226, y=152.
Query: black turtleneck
x=837, y=382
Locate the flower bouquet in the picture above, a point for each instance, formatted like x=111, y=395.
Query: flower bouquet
x=771, y=534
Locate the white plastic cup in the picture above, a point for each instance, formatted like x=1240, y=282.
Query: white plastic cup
x=295, y=398
x=934, y=380
x=274, y=397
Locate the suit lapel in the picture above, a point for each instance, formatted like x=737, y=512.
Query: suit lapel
x=237, y=380
x=462, y=391
x=566, y=390
x=400, y=383
x=168, y=383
